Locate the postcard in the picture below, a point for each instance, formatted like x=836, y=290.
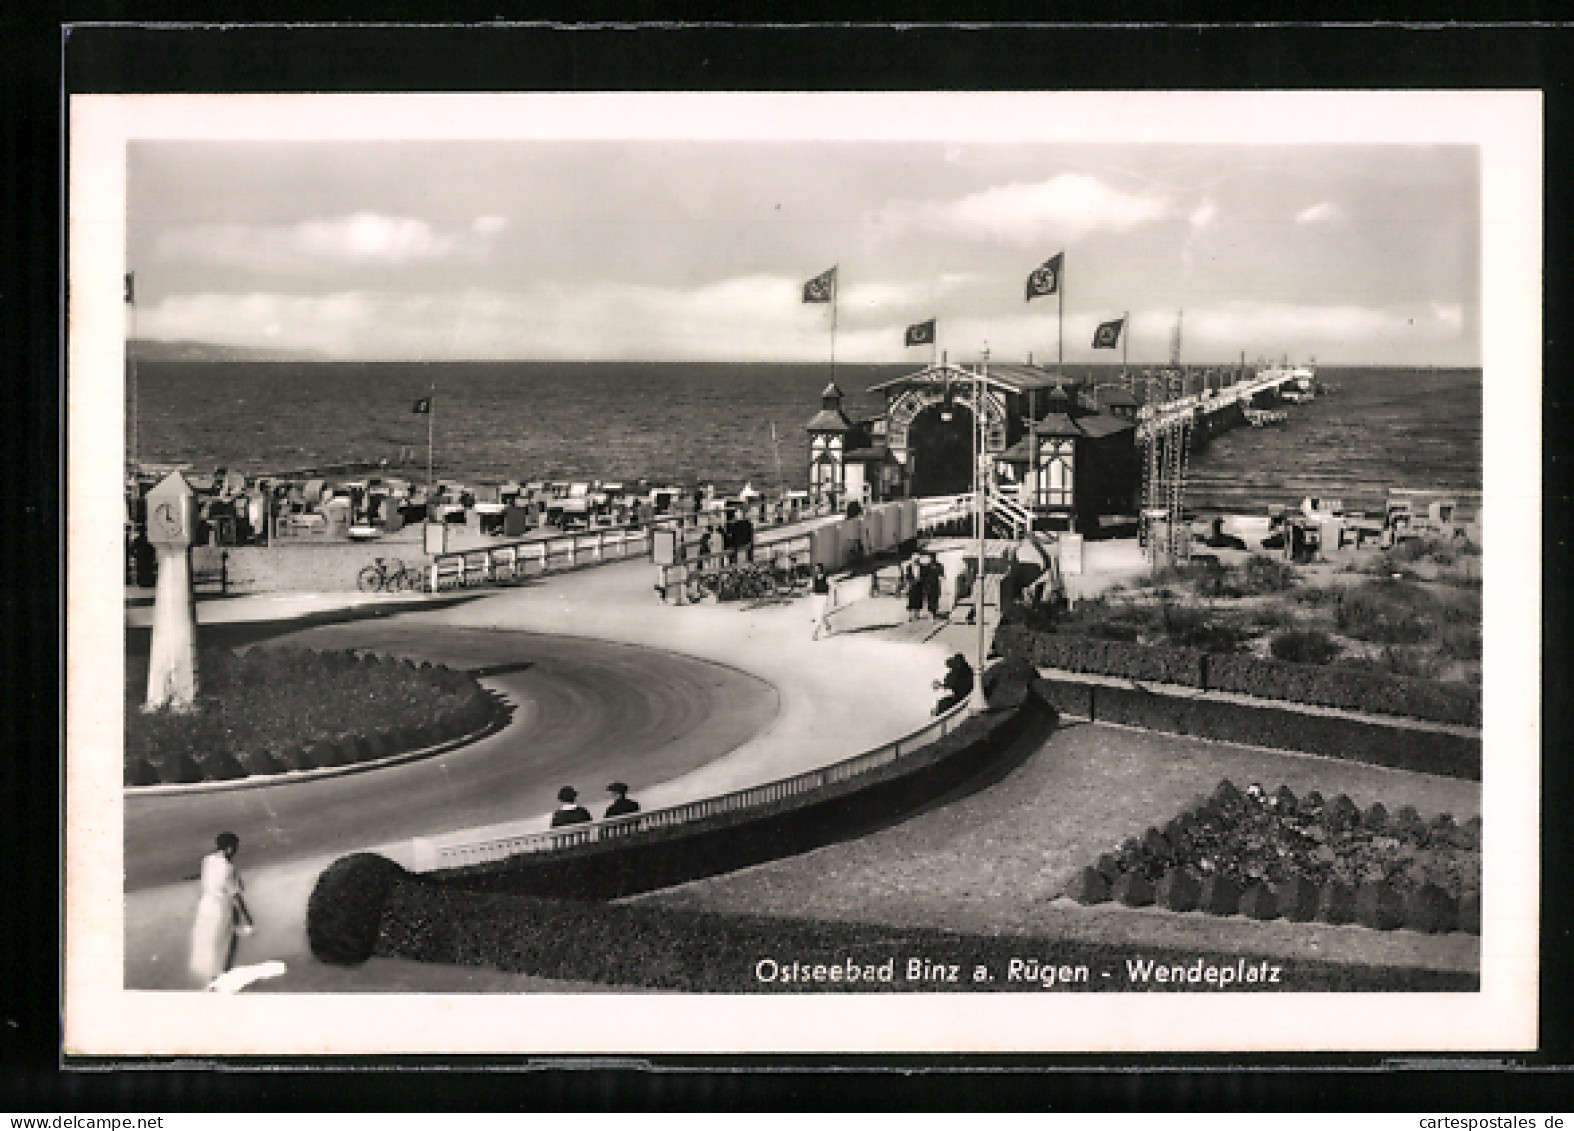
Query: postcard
x=900, y=572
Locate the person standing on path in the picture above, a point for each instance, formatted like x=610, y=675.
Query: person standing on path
x=221, y=911
x=820, y=602
x=933, y=573
x=915, y=590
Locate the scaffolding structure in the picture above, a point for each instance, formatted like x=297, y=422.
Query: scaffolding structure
x=1166, y=451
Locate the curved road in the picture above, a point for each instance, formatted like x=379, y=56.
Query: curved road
x=586, y=713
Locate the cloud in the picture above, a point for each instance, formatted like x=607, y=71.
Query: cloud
x=361, y=238
x=1204, y=214
x=1325, y=212
x=1061, y=208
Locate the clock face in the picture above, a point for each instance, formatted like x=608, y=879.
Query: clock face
x=168, y=518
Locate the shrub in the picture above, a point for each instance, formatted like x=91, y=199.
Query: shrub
x=1375, y=818
x=1178, y=890
x=1303, y=646
x=1263, y=574
x=1220, y=895
x=139, y=771
x=1297, y=898
x=1134, y=889
x=1431, y=909
x=1336, y=903
x=1469, y=914
x=1107, y=866
x=1340, y=814
x=261, y=760
x=1379, y=906
x=1258, y=902
x=344, y=911
x=181, y=769
x=1089, y=886
x=1386, y=612
x=1193, y=629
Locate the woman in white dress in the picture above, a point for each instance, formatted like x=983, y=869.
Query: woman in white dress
x=221, y=911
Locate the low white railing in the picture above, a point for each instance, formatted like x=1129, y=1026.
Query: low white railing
x=427, y=854
x=512, y=561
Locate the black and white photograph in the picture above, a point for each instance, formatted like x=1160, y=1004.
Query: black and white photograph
x=907, y=572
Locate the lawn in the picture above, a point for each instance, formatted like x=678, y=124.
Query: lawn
x=998, y=862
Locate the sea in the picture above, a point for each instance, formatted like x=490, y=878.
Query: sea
x=736, y=424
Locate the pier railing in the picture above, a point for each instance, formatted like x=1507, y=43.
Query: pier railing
x=430, y=854
x=515, y=560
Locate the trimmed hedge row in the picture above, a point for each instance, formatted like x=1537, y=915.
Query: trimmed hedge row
x=1279, y=728
x=716, y=952
x=1182, y=666
x=1282, y=889
x=1332, y=686
x=1326, y=686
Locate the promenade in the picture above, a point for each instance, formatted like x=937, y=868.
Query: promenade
x=835, y=697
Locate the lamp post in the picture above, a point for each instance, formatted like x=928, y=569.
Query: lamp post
x=978, y=702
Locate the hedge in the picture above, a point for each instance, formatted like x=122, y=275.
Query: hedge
x=1107, y=657
x=717, y=952
x=1347, y=688
x=1335, y=736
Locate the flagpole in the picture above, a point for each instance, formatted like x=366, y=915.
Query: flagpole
x=131, y=356
x=1060, y=318
x=836, y=286
x=1125, y=340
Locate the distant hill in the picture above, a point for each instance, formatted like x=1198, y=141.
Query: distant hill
x=148, y=349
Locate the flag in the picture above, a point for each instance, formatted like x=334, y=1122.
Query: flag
x=423, y=406
x=921, y=334
x=1045, y=280
x=1107, y=336
x=821, y=287
x=131, y=287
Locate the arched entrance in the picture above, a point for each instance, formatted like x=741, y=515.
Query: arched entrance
x=941, y=451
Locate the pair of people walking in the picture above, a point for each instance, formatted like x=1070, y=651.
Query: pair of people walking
x=571, y=812
x=923, y=580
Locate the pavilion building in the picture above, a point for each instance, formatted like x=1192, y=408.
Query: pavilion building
x=1065, y=453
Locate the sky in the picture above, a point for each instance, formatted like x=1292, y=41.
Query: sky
x=698, y=250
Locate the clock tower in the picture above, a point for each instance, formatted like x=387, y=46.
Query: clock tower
x=172, y=656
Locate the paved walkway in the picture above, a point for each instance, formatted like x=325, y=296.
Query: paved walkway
x=839, y=695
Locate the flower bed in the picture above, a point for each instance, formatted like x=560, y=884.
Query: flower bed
x=1279, y=856
x=274, y=710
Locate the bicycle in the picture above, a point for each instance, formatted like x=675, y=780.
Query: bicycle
x=387, y=575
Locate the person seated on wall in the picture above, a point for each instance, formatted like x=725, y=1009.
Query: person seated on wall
x=957, y=684
x=569, y=810
x=621, y=805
